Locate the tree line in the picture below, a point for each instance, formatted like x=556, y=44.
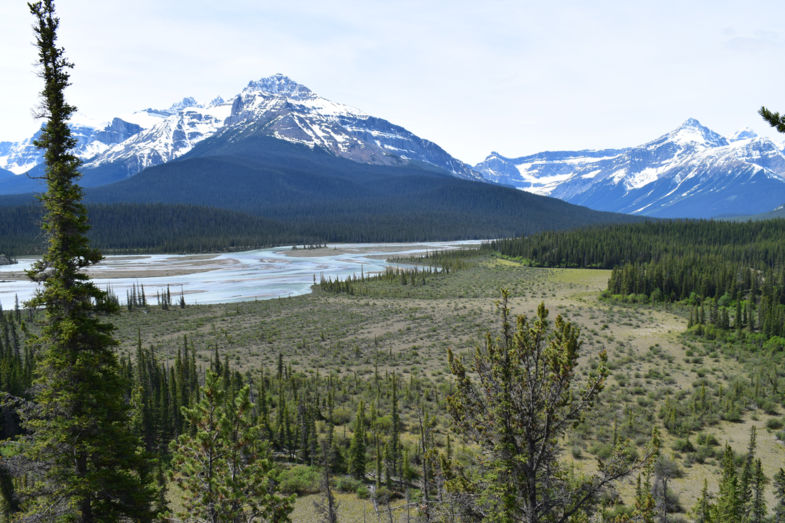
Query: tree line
x=731, y=274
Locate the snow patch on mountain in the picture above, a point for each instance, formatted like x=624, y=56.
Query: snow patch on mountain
x=690, y=171
x=163, y=137
x=273, y=106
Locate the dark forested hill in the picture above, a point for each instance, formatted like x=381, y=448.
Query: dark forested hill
x=279, y=192
x=344, y=200
x=759, y=243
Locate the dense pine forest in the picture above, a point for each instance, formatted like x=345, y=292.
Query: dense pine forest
x=732, y=275
x=153, y=227
x=179, y=228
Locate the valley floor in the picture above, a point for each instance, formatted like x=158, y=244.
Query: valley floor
x=406, y=329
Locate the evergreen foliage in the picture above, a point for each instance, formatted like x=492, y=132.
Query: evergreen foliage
x=524, y=402
x=91, y=467
x=357, y=449
x=729, y=501
x=779, y=495
x=775, y=119
x=224, y=465
x=130, y=228
x=732, y=274
x=703, y=509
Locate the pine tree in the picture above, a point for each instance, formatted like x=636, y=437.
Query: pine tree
x=524, y=402
x=758, y=509
x=223, y=466
x=703, y=509
x=357, y=458
x=748, y=476
x=80, y=435
x=779, y=495
x=728, y=506
x=644, y=501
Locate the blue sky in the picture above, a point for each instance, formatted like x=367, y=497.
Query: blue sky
x=512, y=76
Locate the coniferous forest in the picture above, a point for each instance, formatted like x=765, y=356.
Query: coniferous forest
x=650, y=389
x=731, y=275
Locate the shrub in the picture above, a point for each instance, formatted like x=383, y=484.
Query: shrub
x=775, y=343
x=300, y=479
x=683, y=445
x=347, y=484
x=383, y=495
x=703, y=453
x=602, y=451
x=707, y=439
x=774, y=424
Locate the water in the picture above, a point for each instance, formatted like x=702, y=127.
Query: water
x=228, y=277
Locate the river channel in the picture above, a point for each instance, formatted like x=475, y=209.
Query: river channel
x=228, y=277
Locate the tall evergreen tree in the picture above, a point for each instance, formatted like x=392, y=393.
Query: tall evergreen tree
x=80, y=433
x=758, y=510
x=729, y=503
x=357, y=460
x=779, y=495
x=747, y=480
x=704, y=509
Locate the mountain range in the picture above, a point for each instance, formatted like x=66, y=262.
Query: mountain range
x=274, y=106
x=689, y=172
x=309, y=168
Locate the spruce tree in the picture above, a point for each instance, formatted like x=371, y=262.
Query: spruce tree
x=758, y=509
x=357, y=460
x=80, y=436
x=223, y=465
x=704, y=509
x=748, y=476
x=729, y=503
x=779, y=495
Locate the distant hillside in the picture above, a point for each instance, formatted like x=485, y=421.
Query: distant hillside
x=275, y=106
x=152, y=228
x=341, y=200
x=274, y=191
x=778, y=212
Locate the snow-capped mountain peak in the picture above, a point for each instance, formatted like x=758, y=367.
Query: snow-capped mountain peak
x=692, y=134
x=744, y=134
x=279, y=85
x=185, y=103
x=275, y=106
x=691, y=171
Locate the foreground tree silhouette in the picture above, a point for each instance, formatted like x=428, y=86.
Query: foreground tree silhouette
x=776, y=120
x=525, y=400
x=88, y=463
